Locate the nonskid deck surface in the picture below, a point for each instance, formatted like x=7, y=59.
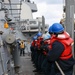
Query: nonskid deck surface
x=26, y=66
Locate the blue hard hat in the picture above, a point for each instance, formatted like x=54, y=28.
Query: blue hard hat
x=50, y=29
x=35, y=38
x=47, y=36
x=57, y=28
x=39, y=34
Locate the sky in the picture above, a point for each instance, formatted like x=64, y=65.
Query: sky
x=52, y=10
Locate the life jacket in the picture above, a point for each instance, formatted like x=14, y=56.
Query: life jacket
x=48, y=43
x=38, y=43
x=51, y=42
x=67, y=41
x=34, y=43
x=22, y=45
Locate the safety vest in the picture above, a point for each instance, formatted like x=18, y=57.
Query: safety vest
x=67, y=41
x=22, y=45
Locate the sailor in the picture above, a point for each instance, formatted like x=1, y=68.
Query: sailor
x=45, y=67
x=39, y=39
x=33, y=49
x=61, y=50
x=22, y=47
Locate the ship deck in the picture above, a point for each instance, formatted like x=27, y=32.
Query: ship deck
x=26, y=66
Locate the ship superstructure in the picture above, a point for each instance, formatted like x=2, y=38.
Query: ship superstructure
x=25, y=28
x=22, y=18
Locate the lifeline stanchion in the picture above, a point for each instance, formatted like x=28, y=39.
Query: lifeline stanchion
x=59, y=68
